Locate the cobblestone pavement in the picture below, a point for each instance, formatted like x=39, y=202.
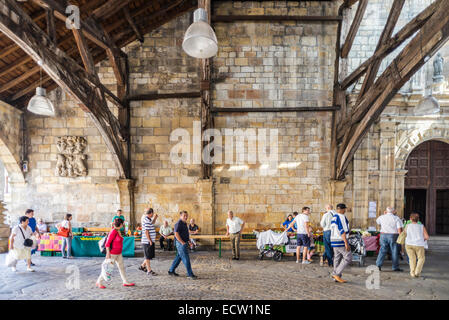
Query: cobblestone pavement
x=222, y=278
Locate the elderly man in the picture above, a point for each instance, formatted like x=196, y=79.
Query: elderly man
x=325, y=223
x=165, y=231
x=390, y=228
x=193, y=230
x=234, y=226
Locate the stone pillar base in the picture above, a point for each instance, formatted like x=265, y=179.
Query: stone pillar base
x=126, y=190
x=206, y=200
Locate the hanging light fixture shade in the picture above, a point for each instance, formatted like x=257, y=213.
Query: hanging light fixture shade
x=40, y=104
x=428, y=105
x=200, y=40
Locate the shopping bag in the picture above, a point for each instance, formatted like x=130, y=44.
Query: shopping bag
x=11, y=259
x=106, y=269
x=402, y=236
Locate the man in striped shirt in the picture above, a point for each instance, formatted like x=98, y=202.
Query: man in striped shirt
x=339, y=242
x=148, y=240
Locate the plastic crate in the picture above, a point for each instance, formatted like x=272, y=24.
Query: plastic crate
x=46, y=253
x=57, y=254
x=370, y=253
x=78, y=230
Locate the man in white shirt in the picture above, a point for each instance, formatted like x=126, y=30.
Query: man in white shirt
x=303, y=234
x=390, y=228
x=234, y=226
x=325, y=223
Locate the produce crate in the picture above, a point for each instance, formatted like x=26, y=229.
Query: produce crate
x=77, y=230
x=57, y=254
x=370, y=253
x=46, y=253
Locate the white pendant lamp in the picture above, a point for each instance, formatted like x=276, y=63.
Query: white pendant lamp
x=39, y=103
x=200, y=40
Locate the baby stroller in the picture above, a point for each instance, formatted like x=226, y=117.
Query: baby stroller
x=270, y=244
x=358, y=248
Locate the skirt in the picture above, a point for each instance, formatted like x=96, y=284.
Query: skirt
x=24, y=253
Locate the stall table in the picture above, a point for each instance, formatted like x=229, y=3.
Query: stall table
x=87, y=246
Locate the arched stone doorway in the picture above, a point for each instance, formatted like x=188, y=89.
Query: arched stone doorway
x=426, y=185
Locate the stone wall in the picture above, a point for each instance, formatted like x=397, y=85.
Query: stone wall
x=92, y=199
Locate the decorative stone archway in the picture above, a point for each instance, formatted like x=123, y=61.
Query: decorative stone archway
x=409, y=140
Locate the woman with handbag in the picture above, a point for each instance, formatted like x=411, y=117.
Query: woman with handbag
x=114, y=248
x=415, y=243
x=65, y=231
x=20, y=243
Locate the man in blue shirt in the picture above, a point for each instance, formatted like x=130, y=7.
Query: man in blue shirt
x=339, y=242
x=182, y=240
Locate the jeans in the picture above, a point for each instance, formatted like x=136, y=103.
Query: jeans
x=66, y=242
x=388, y=243
x=328, y=251
x=182, y=254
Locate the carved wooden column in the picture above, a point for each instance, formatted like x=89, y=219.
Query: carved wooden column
x=206, y=117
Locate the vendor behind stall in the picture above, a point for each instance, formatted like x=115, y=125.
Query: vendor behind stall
x=119, y=216
x=287, y=223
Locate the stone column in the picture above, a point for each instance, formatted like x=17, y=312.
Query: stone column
x=126, y=190
x=4, y=229
x=400, y=179
x=387, y=166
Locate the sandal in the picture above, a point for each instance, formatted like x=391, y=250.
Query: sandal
x=151, y=272
x=144, y=269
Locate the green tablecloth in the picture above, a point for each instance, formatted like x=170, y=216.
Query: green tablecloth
x=88, y=247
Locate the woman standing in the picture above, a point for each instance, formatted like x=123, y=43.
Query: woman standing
x=114, y=248
x=17, y=244
x=416, y=235
x=66, y=233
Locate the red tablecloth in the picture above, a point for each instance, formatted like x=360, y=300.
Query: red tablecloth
x=371, y=243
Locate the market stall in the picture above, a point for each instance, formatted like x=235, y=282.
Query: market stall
x=87, y=246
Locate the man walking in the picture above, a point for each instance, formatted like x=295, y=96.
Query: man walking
x=33, y=225
x=234, y=226
x=339, y=242
x=303, y=234
x=325, y=223
x=148, y=240
x=182, y=247
x=390, y=228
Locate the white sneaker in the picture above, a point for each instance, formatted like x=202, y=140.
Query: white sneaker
x=297, y=261
x=306, y=262
x=30, y=270
x=13, y=269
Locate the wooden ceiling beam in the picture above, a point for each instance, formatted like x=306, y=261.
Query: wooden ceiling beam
x=19, y=27
x=389, y=46
x=354, y=28
x=130, y=21
x=431, y=37
x=393, y=17
x=109, y=8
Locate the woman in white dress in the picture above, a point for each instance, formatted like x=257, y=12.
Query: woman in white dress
x=19, y=234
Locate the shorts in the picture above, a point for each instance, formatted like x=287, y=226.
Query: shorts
x=303, y=240
x=311, y=248
x=148, y=251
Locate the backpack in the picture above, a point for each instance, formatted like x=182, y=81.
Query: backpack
x=102, y=244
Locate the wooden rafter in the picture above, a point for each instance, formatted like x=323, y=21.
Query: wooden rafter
x=132, y=24
x=354, y=28
x=109, y=8
x=392, y=44
x=51, y=29
x=431, y=36
x=372, y=70
x=20, y=28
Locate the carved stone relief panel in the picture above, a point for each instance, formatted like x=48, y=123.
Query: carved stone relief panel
x=71, y=157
